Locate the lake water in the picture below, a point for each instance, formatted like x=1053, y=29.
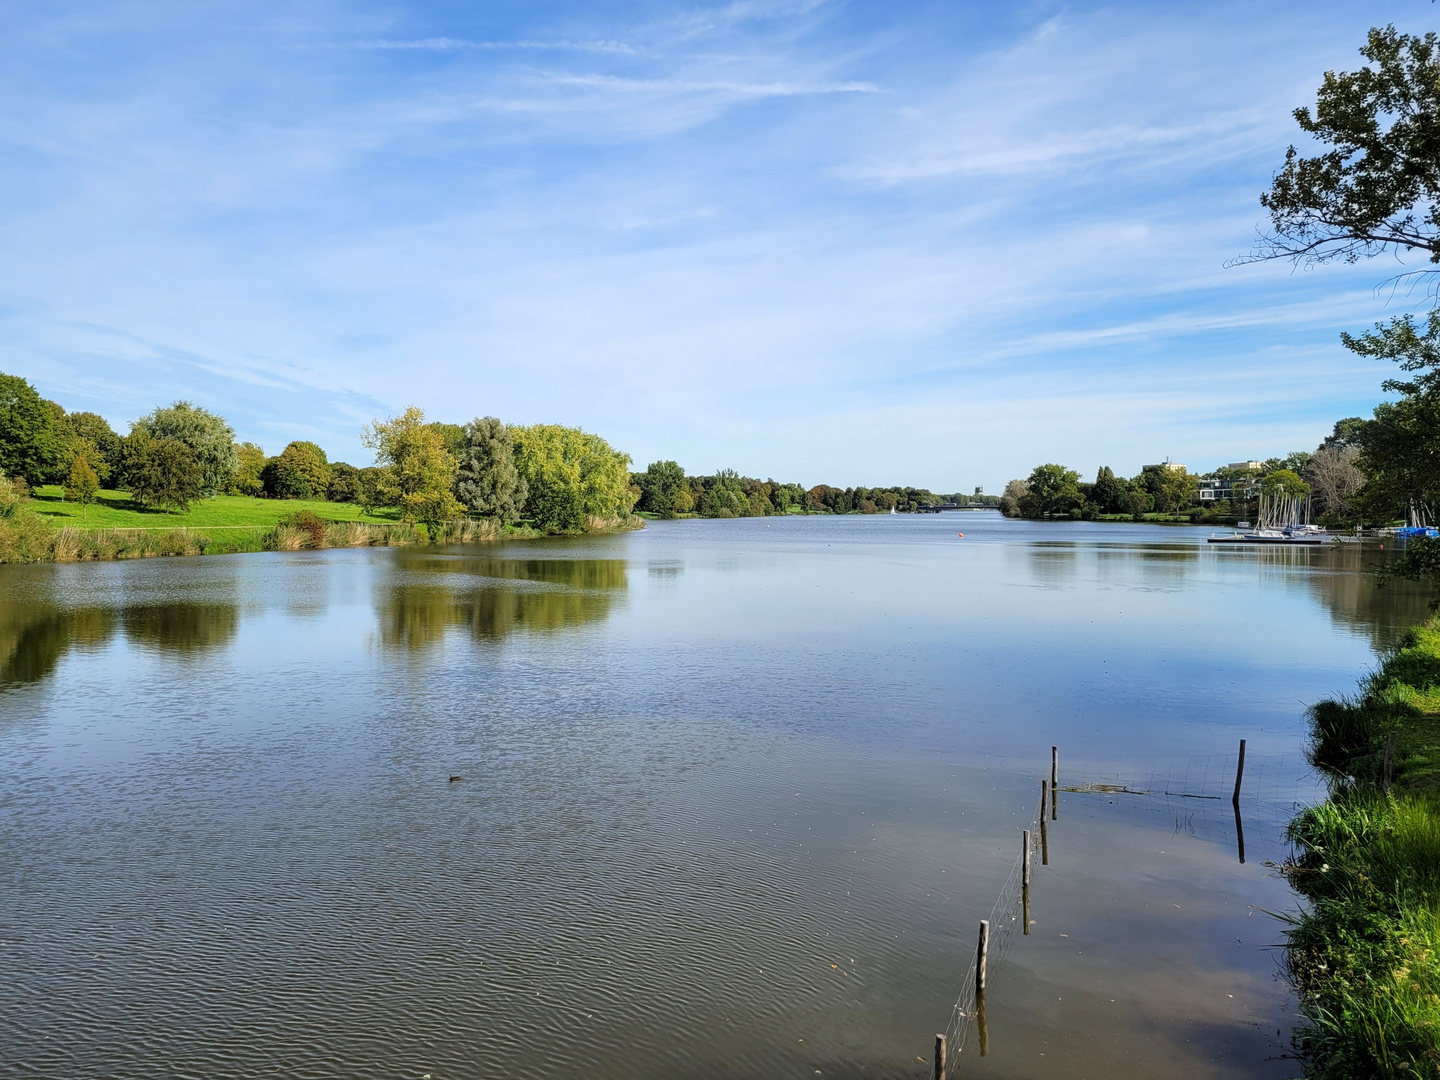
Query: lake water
x=735, y=795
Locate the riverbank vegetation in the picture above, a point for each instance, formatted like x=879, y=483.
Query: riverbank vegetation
x=1365, y=954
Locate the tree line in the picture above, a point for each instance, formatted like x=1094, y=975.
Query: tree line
x=1365, y=472
x=560, y=479
x=664, y=490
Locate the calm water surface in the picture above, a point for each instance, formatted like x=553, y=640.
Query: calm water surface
x=735, y=795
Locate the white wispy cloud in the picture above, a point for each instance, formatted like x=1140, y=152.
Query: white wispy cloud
x=450, y=44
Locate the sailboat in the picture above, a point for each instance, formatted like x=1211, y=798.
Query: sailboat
x=1284, y=519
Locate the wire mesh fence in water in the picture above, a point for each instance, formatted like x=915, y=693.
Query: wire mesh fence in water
x=1196, y=796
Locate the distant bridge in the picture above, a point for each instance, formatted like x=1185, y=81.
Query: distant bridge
x=956, y=506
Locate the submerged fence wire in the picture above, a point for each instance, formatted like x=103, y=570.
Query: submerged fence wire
x=1192, y=796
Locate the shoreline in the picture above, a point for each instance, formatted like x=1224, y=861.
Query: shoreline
x=34, y=540
x=1364, y=954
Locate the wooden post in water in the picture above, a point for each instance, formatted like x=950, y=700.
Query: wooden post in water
x=1044, y=832
x=1239, y=772
x=981, y=1026
x=1054, y=783
x=1025, y=879
x=1239, y=832
x=939, y=1057
x=981, y=950
x=1389, y=760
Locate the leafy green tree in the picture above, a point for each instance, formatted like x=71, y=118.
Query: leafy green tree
x=1346, y=433
x=250, y=465
x=82, y=484
x=1285, y=482
x=1171, y=489
x=375, y=489
x=571, y=476
x=90, y=432
x=1376, y=184
x=418, y=471
x=30, y=446
x=684, y=501
x=164, y=473
x=344, y=483
x=208, y=436
x=486, y=479
x=1053, y=490
x=1016, y=492
x=1109, y=494
x=300, y=472
x=724, y=495
x=660, y=485
x=1400, y=457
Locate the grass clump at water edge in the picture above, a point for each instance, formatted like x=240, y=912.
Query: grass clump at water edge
x=1365, y=954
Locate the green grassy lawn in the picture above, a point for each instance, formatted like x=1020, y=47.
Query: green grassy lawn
x=116, y=510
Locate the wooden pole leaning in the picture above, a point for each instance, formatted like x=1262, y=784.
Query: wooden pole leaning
x=1239, y=773
x=1044, y=832
x=939, y=1057
x=1054, y=783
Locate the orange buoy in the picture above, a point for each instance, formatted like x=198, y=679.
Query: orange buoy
x=961, y=535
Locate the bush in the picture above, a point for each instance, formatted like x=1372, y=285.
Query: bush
x=25, y=537
x=303, y=528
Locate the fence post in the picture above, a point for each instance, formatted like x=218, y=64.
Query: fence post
x=1239, y=772
x=981, y=950
x=1389, y=760
x=1044, y=832
x=939, y=1057
x=1054, y=783
x=1025, y=879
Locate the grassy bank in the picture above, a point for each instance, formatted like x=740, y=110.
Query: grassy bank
x=1365, y=955
x=116, y=510
x=44, y=530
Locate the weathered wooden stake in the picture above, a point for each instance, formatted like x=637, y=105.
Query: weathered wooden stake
x=1239, y=832
x=1389, y=760
x=939, y=1057
x=1054, y=783
x=981, y=1025
x=1239, y=772
x=1044, y=832
x=1025, y=879
x=980, y=953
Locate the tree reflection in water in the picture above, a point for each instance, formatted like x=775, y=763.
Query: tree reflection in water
x=494, y=597
x=35, y=637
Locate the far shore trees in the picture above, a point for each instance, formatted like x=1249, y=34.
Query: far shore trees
x=660, y=486
x=30, y=447
x=301, y=471
x=210, y=439
x=164, y=473
x=572, y=476
x=416, y=470
x=250, y=463
x=487, y=481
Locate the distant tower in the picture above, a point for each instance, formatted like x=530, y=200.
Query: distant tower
x=980, y=490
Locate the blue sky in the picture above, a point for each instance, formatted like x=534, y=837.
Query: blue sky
x=930, y=243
